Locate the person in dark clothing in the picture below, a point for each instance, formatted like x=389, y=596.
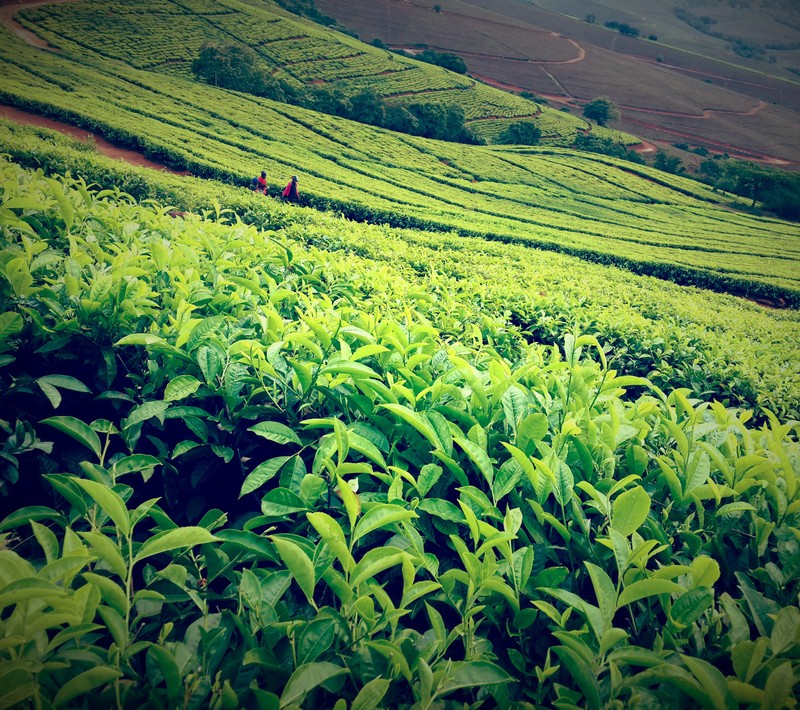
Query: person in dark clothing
x=290, y=191
x=254, y=184
x=262, y=183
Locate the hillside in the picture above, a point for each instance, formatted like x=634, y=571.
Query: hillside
x=684, y=87
x=465, y=426
x=321, y=465
x=293, y=49
x=596, y=207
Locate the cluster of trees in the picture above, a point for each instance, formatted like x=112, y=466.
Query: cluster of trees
x=742, y=47
x=448, y=60
x=307, y=8
x=623, y=28
x=606, y=146
x=601, y=110
x=520, y=133
x=777, y=191
x=238, y=67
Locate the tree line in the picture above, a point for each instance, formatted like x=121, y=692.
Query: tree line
x=236, y=66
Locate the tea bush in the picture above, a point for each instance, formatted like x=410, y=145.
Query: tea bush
x=256, y=473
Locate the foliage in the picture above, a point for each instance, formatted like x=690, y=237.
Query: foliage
x=296, y=54
x=601, y=110
x=235, y=66
x=520, y=133
x=717, y=346
x=448, y=60
x=606, y=146
x=777, y=190
x=420, y=507
x=668, y=163
x=623, y=28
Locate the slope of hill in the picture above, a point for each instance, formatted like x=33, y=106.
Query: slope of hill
x=293, y=49
x=600, y=208
x=714, y=344
x=258, y=473
x=685, y=87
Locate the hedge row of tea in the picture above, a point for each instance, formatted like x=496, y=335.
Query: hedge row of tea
x=591, y=206
x=718, y=346
x=143, y=35
x=260, y=474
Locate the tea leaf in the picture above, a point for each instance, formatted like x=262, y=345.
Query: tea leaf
x=275, y=431
x=370, y=696
x=110, y=502
x=298, y=563
x=262, y=473
x=374, y=561
x=647, y=588
x=629, y=510
x=85, y=682
x=467, y=674
x=379, y=517
x=181, y=387
x=174, y=540
x=305, y=679
x=79, y=431
x=331, y=533
x=583, y=674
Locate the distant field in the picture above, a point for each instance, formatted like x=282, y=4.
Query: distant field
x=685, y=71
x=141, y=35
x=599, y=208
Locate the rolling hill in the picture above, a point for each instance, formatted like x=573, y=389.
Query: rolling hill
x=683, y=87
x=596, y=207
x=464, y=426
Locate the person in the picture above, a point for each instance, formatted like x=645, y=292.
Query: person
x=254, y=184
x=262, y=183
x=290, y=191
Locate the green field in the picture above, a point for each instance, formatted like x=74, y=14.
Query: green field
x=294, y=49
x=321, y=464
x=453, y=432
x=596, y=207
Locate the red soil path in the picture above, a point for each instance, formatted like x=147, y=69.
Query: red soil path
x=9, y=8
x=102, y=145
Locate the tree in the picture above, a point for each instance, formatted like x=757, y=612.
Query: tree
x=229, y=65
x=448, y=60
x=520, y=133
x=668, y=163
x=749, y=180
x=601, y=110
x=711, y=170
x=367, y=107
x=432, y=119
x=331, y=100
x=236, y=66
x=399, y=118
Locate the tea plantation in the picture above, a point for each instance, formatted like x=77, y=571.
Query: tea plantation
x=596, y=207
x=459, y=430
x=268, y=457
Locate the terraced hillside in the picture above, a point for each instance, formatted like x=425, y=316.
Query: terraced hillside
x=296, y=50
x=561, y=200
x=674, y=83
x=324, y=465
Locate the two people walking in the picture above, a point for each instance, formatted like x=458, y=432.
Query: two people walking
x=290, y=192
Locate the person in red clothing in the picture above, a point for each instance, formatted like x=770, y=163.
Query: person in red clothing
x=290, y=191
x=262, y=183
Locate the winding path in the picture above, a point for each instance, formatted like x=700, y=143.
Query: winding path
x=9, y=9
x=103, y=146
